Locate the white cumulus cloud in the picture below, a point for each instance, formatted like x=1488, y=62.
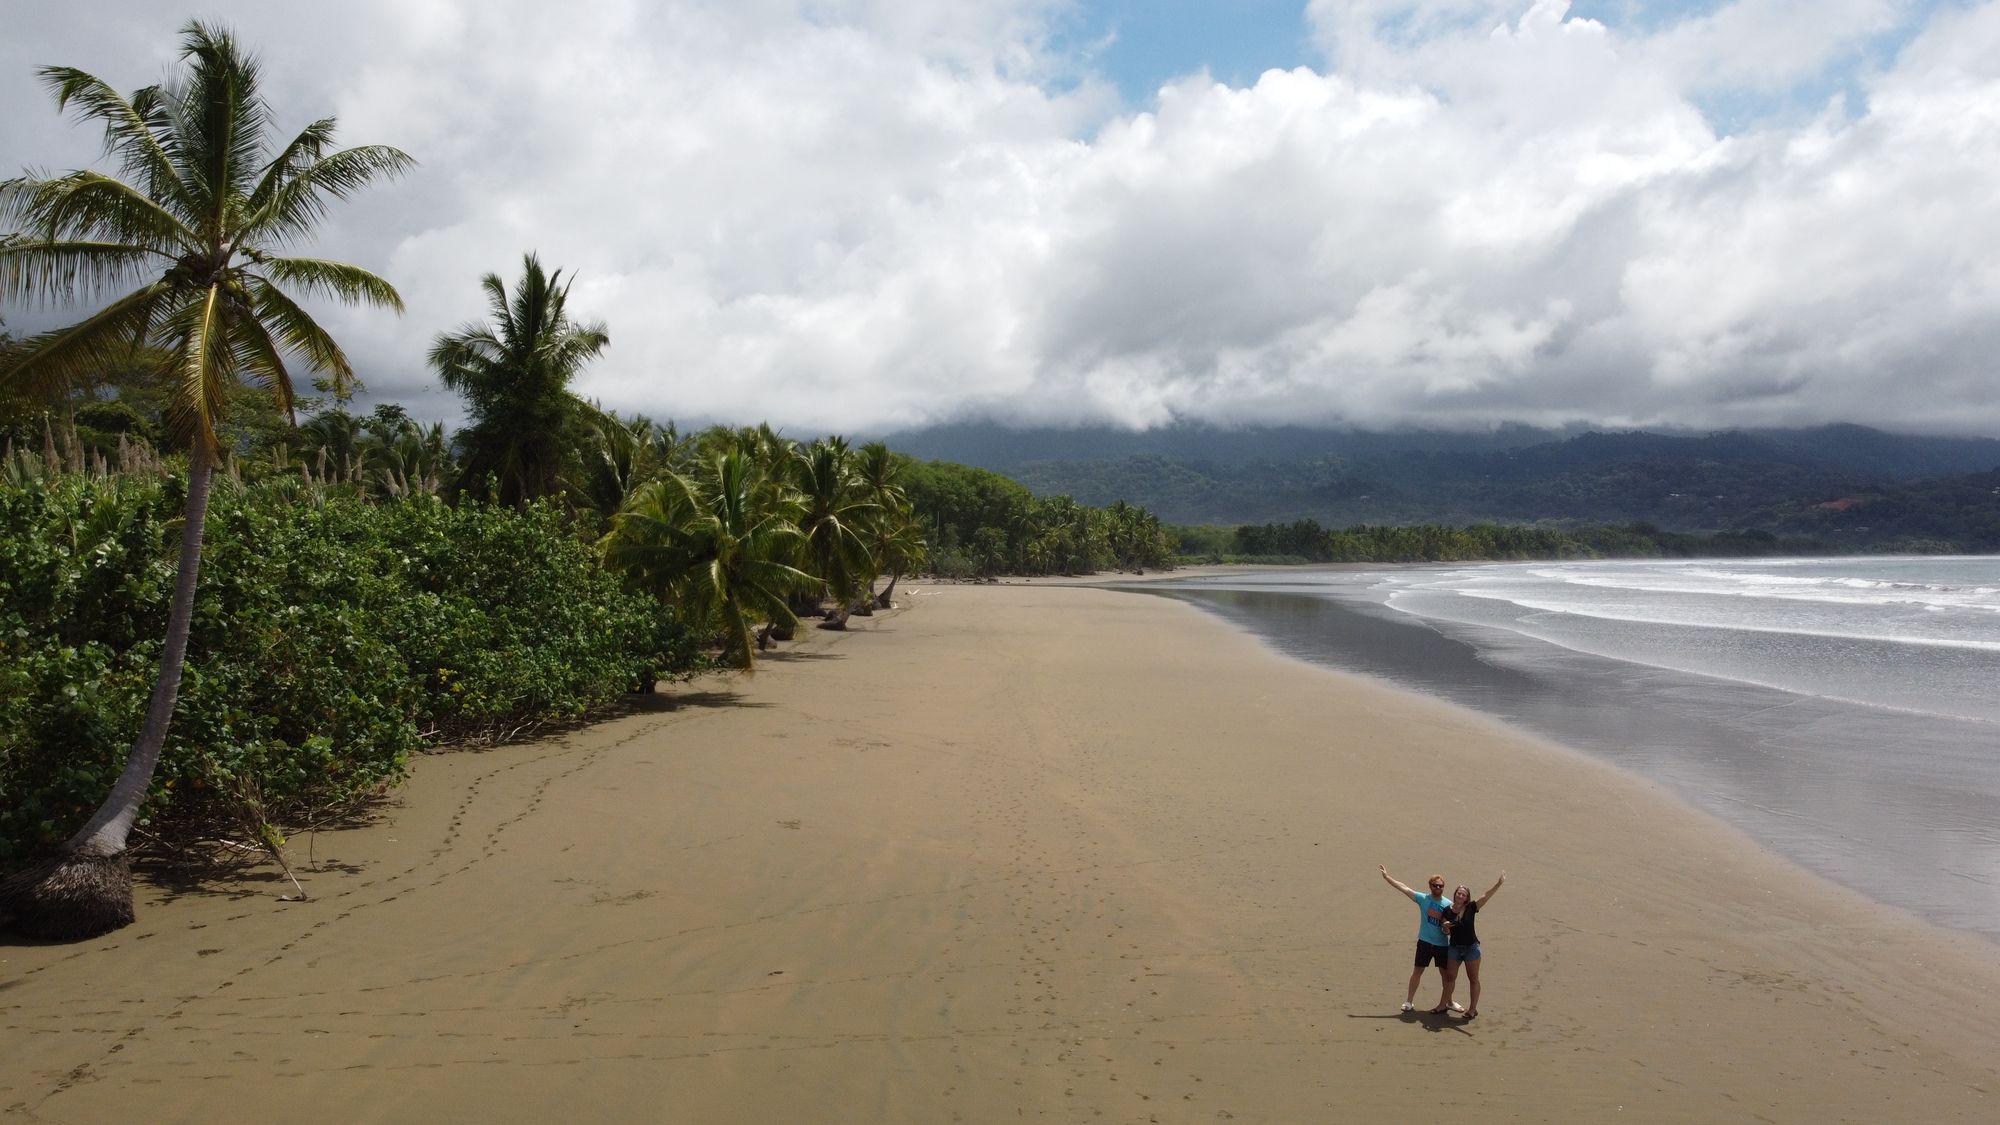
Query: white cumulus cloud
x=841, y=214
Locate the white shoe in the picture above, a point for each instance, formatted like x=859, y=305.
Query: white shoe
x=1409, y=1007
x=1457, y=1007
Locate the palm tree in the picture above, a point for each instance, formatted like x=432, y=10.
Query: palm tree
x=515, y=374
x=619, y=454
x=1145, y=540
x=201, y=226
x=835, y=519
x=895, y=542
x=769, y=450
x=1067, y=542
x=715, y=544
x=410, y=461
x=330, y=442
x=902, y=550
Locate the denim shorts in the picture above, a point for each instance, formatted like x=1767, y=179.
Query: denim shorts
x=1464, y=953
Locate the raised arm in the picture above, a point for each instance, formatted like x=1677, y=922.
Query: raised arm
x=1389, y=879
x=1492, y=889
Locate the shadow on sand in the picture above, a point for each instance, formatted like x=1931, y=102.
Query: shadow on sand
x=668, y=702
x=799, y=656
x=1430, y=1021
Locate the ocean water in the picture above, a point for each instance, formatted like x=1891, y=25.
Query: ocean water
x=1844, y=712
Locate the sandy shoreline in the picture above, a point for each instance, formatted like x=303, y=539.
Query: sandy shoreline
x=1014, y=852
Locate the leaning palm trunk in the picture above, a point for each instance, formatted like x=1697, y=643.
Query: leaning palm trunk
x=743, y=643
x=203, y=228
x=87, y=889
x=882, y=599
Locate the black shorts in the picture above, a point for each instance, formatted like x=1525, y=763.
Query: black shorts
x=1427, y=953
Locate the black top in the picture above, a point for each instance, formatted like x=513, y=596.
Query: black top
x=1462, y=932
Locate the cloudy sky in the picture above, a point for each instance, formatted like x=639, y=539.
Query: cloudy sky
x=868, y=214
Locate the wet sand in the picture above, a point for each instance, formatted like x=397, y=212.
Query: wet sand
x=1899, y=805
x=1009, y=853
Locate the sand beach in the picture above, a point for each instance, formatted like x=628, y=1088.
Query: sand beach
x=1018, y=852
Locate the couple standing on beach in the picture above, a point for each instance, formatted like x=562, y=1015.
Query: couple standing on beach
x=1447, y=937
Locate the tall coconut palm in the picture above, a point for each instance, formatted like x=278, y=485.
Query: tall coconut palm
x=714, y=543
x=515, y=373
x=200, y=224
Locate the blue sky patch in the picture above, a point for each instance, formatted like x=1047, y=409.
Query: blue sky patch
x=1141, y=45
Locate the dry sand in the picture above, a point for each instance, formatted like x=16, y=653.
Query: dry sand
x=1010, y=853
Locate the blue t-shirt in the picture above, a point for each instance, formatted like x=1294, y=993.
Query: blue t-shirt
x=1433, y=907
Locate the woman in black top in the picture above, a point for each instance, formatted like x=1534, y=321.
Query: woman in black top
x=1459, y=929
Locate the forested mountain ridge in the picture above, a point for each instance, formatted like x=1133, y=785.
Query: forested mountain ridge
x=1848, y=483
x=988, y=445
x=1870, y=452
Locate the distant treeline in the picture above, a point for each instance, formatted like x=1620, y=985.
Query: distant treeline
x=1846, y=485
x=1306, y=541
x=980, y=523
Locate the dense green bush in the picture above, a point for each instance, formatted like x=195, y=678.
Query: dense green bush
x=331, y=638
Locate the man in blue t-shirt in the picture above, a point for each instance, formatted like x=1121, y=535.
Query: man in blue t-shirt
x=1431, y=942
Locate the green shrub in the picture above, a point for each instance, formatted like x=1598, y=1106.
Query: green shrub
x=953, y=564
x=331, y=639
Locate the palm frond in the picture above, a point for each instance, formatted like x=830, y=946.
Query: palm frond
x=458, y=357
x=90, y=206
x=205, y=365
x=537, y=310
x=350, y=285
x=223, y=118
x=57, y=271
x=579, y=343
x=301, y=153
x=64, y=357
x=297, y=200
x=258, y=358
x=131, y=127
x=497, y=303
x=299, y=333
